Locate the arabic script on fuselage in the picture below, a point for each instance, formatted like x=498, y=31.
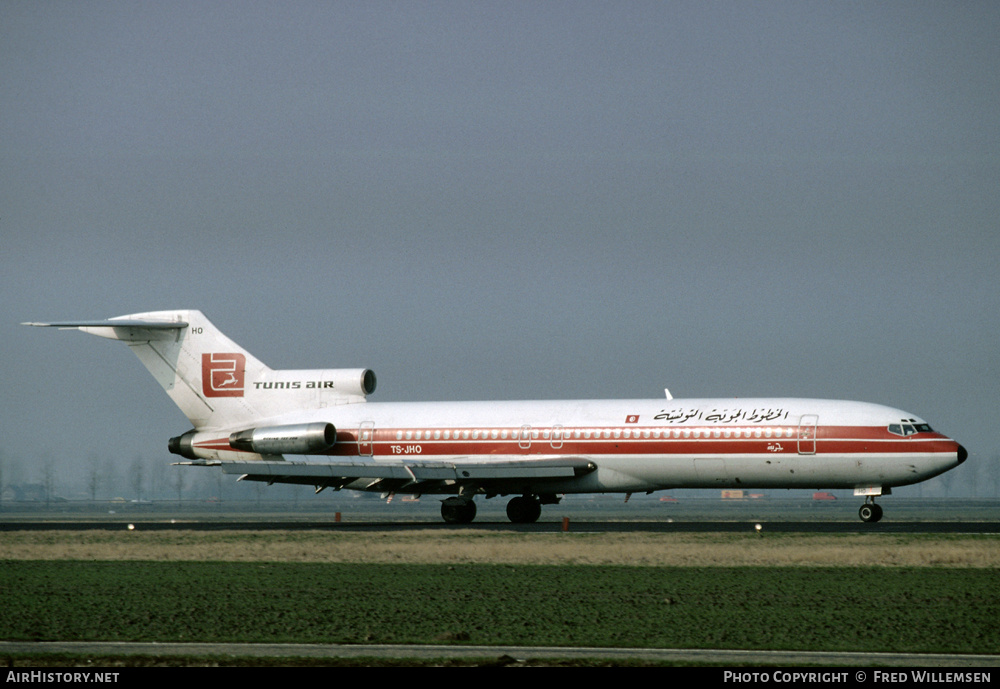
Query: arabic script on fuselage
x=682, y=415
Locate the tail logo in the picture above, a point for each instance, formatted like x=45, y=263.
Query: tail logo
x=223, y=375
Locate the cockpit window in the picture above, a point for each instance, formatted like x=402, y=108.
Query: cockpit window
x=906, y=429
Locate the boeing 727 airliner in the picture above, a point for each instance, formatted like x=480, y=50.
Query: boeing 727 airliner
x=316, y=427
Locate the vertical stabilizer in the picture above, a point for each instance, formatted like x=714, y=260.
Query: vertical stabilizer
x=215, y=382
x=204, y=372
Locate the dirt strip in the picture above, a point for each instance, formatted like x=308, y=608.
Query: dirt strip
x=457, y=547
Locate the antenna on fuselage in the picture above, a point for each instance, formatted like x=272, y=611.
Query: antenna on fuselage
x=667, y=391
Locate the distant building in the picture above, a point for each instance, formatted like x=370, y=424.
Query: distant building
x=24, y=492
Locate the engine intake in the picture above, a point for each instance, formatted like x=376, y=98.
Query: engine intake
x=293, y=439
x=351, y=381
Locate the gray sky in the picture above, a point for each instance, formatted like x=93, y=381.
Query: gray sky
x=504, y=200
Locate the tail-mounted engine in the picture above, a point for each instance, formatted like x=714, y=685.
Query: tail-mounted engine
x=291, y=439
x=294, y=439
x=182, y=445
x=346, y=384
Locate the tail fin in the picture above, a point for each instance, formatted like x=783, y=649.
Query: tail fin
x=214, y=381
x=202, y=370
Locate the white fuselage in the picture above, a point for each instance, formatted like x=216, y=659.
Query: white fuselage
x=638, y=445
x=316, y=427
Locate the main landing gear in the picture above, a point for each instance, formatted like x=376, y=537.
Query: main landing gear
x=870, y=512
x=525, y=509
x=458, y=510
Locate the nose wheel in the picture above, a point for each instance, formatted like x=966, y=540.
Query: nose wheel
x=870, y=512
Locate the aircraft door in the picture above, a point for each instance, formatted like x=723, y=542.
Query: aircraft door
x=366, y=438
x=807, y=434
x=524, y=438
x=557, y=437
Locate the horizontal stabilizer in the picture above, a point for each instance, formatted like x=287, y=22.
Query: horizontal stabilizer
x=148, y=325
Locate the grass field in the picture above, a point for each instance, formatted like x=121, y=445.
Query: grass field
x=775, y=591
x=892, y=609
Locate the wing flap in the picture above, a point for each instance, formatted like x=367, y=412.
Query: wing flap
x=418, y=472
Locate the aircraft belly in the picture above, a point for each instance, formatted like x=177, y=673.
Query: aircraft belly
x=765, y=471
x=616, y=473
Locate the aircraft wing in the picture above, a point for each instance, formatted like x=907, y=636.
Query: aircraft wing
x=409, y=476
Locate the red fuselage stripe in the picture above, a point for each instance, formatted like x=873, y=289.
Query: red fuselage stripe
x=607, y=440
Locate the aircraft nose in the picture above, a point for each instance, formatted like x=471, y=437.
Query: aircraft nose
x=963, y=454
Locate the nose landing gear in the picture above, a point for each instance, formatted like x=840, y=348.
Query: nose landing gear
x=870, y=512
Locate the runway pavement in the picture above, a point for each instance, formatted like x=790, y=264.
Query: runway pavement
x=498, y=655
x=580, y=526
